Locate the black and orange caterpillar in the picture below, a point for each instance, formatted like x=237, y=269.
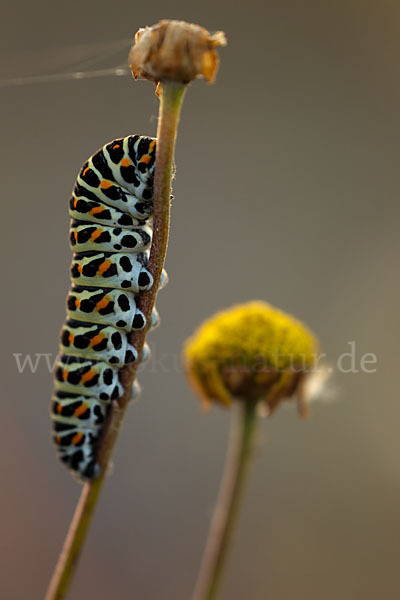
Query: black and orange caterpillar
x=111, y=233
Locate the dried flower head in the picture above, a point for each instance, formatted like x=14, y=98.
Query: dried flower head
x=251, y=351
x=175, y=50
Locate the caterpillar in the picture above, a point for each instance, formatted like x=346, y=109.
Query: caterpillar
x=110, y=235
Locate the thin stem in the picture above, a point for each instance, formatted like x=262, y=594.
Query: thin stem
x=170, y=104
x=233, y=483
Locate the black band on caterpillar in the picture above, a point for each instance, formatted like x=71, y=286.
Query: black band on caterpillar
x=111, y=233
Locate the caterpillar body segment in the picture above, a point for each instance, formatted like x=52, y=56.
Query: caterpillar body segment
x=89, y=237
x=85, y=411
x=79, y=375
x=111, y=234
x=117, y=270
x=100, y=342
x=77, y=422
x=114, y=183
x=135, y=207
x=70, y=434
x=78, y=453
x=105, y=305
x=89, y=208
x=129, y=159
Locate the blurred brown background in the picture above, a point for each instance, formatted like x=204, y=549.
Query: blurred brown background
x=287, y=190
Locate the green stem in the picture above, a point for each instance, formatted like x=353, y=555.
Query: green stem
x=172, y=94
x=230, y=495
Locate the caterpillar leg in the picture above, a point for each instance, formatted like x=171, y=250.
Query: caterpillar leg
x=136, y=390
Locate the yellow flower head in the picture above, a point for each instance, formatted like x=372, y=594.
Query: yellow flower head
x=250, y=351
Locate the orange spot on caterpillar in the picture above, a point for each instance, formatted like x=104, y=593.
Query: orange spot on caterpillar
x=96, y=234
x=77, y=303
x=59, y=408
x=58, y=440
x=88, y=376
x=116, y=146
x=105, y=184
x=85, y=171
x=77, y=438
x=151, y=145
x=76, y=235
x=65, y=374
x=71, y=338
x=104, y=266
x=81, y=409
x=125, y=162
x=96, y=210
x=75, y=202
x=96, y=339
x=145, y=159
x=102, y=303
x=80, y=269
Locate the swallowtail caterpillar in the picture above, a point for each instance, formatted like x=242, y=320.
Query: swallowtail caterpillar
x=110, y=235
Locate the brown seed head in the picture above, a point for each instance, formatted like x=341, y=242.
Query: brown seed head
x=175, y=50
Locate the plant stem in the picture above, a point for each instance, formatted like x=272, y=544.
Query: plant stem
x=221, y=531
x=172, y=94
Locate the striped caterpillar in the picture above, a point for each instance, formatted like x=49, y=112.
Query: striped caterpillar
x=110, y=235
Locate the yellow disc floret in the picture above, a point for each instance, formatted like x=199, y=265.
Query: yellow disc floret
x=249, y=350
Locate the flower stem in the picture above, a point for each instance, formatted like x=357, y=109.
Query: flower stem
x=172, y=94
x=237, y=464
